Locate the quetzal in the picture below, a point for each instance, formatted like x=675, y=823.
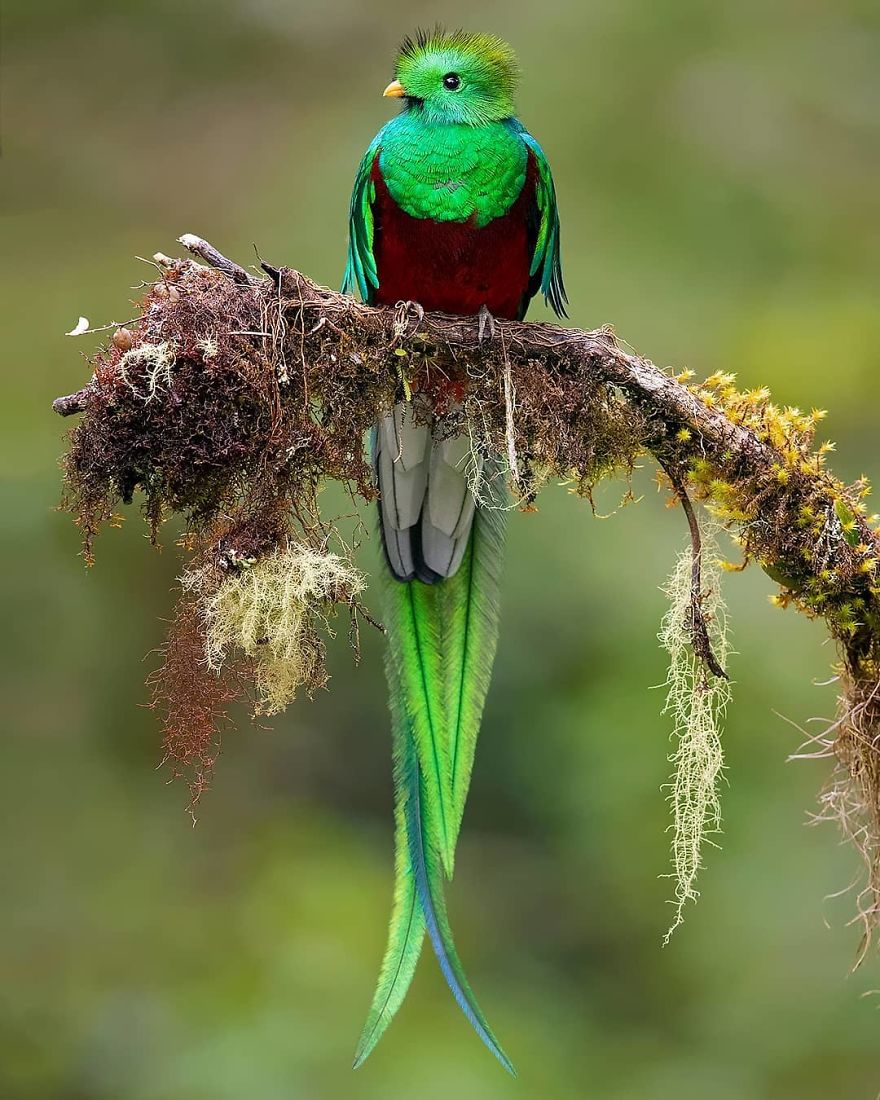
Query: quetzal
x=453, y=208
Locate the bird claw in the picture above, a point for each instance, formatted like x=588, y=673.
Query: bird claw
x=402, y=312
x=486, y=324
x=411, y=307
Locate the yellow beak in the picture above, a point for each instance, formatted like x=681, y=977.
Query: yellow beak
x=394, y=90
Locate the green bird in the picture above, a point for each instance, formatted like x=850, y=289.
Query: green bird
x=454, y=208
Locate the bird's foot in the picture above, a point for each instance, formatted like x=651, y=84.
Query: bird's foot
x=486, y=328
x=402, y=313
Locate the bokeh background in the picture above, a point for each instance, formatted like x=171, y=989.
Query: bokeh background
x=717, y=167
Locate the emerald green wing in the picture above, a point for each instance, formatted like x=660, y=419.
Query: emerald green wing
x=546, y=269
x=360, y=270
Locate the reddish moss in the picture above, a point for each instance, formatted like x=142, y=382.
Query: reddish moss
x=192, y=701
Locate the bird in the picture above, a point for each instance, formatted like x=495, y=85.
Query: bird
x=454, y=209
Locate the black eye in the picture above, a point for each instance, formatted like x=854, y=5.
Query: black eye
x=452, y=82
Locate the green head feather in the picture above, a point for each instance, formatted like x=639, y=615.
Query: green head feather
x=458, y=77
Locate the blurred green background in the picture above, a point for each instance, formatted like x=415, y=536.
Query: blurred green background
x=717, y=168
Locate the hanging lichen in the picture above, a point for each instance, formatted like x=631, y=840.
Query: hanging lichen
x=269, y=611
x=696, y=699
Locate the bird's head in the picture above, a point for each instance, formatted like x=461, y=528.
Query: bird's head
x=456, y=77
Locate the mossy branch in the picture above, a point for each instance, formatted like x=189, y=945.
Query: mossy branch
x=267, y=385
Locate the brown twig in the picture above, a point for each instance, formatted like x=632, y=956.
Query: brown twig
x=73, y=403
x=198, y=246
x=698, y=629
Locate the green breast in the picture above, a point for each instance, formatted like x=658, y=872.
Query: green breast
x=452, y=172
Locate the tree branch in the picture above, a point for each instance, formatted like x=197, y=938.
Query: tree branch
x=667, y=402
x=207, y=252
x=236, y=396
x=698, y=628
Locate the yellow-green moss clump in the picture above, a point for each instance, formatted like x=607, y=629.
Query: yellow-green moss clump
x=269, y=612
x=807, y=538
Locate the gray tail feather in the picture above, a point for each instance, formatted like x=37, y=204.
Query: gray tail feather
x=426, y=507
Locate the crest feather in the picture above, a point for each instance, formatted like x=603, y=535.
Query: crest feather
x=487, y=47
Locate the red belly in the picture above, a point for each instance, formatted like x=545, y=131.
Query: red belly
x=456, y=267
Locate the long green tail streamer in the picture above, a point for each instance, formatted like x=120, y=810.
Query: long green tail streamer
x=442, y=641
